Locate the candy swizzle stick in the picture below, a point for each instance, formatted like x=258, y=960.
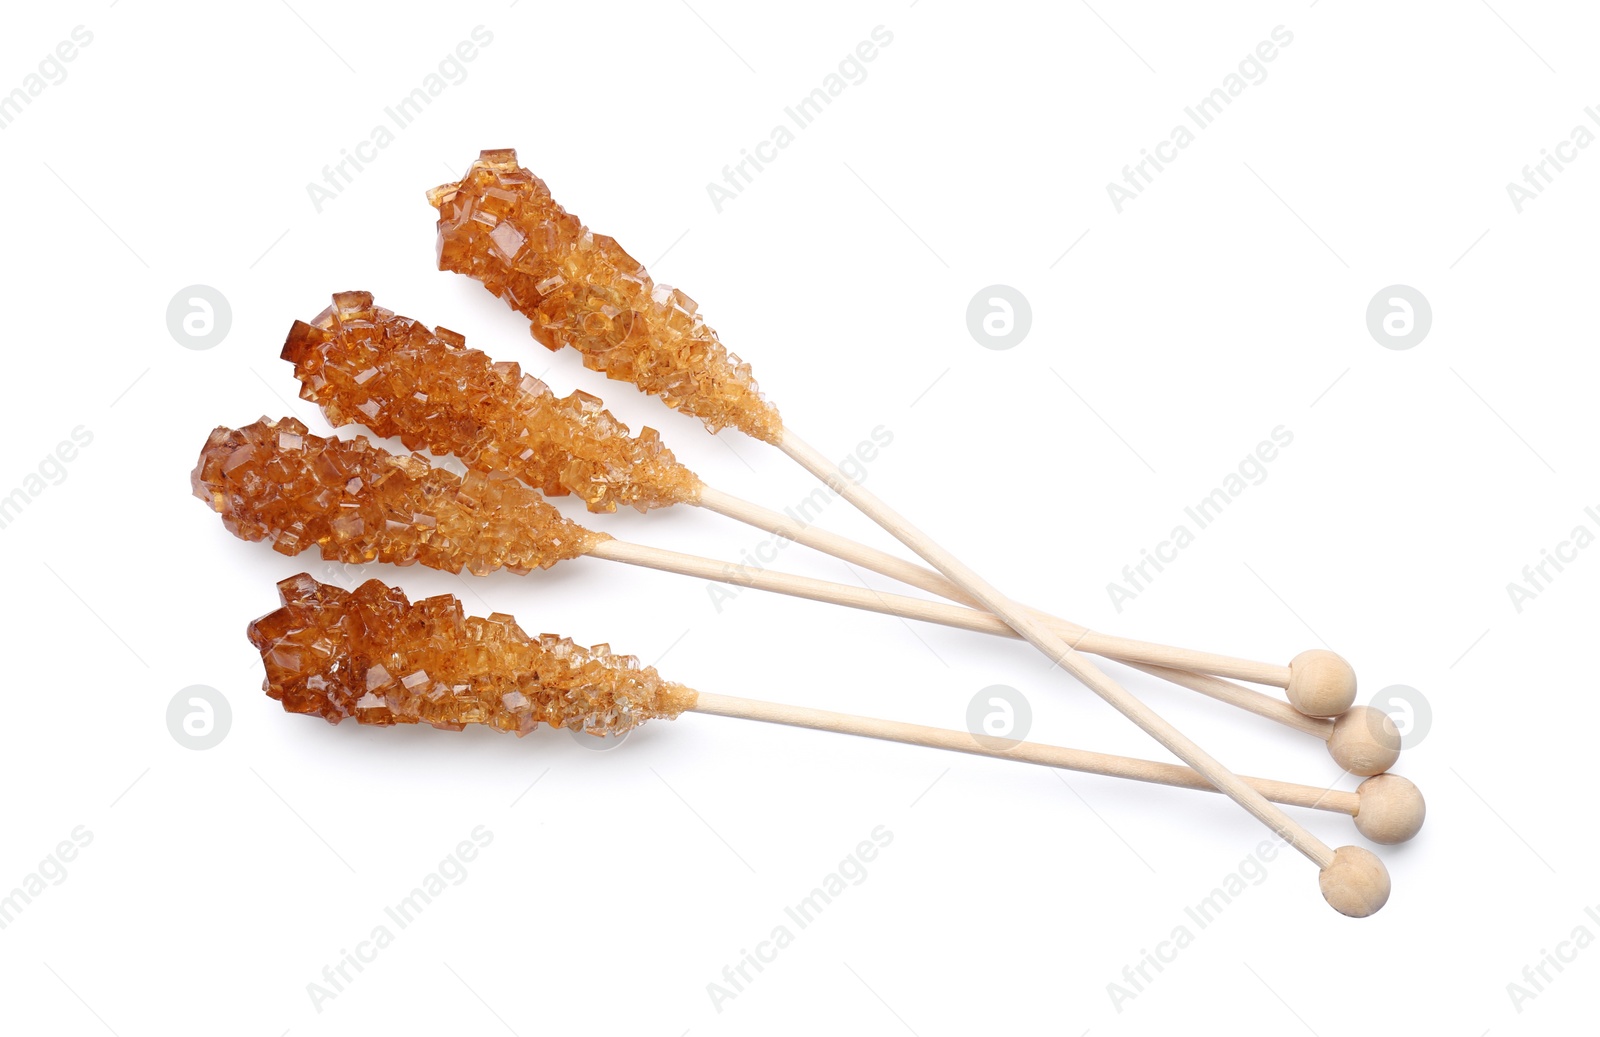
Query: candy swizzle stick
x=364, y=365
x=356, y=502
x=501, y=226
x=372, y=655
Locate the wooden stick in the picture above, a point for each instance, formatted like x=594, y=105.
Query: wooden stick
x=915, y=575
x=1362, y=741
x=939, y=612
x=1024, y=752
x=892, y=604
x=1353, y=880
x=1387, y=808
x=1247, y=699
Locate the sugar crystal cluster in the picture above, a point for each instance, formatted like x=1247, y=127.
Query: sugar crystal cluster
x=373, y=655
x=364, y=365
x=500, y=225
x=275, y=481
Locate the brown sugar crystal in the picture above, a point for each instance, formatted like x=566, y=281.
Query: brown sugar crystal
x=364, y=365
x=275, y=481
x=373, y=655
x=499, y=225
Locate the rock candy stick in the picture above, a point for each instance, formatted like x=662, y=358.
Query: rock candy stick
x=363, y=364
x=355, y=502
x=501, y=226
x=275, y=481
x=374, y=656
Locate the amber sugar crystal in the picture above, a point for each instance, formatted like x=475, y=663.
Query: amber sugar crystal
x=499, y=225
x=373, y=655
x=275, y=481
x=363, y=365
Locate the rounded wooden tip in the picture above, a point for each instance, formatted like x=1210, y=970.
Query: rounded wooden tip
x=1356, y=883
x=1391, y=809
x=1321, y=683
x=1365, y=741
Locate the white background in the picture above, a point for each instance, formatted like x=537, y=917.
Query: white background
x=1166, y=341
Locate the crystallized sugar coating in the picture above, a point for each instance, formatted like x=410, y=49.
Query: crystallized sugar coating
x=499, y=225
x=373, y=655
x=275, y=481
x=363, y=365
